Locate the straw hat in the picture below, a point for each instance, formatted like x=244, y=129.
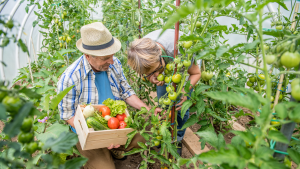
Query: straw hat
x=96, y=40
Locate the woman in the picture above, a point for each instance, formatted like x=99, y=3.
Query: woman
x=144, y=56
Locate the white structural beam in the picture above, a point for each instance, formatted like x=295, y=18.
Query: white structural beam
x=12, y=13
x=20, y=34
x=29, y=45
x=4, y=3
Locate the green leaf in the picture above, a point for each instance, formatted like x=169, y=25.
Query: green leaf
x=29, y=93
x=162, y=159
x=133, y=151
x=281, y=110
x=23, y=46
x=192, y=120
x=252, y=45
x=245, y=135
x=64, y=142
x=181, y=161
x=146, y=136
x=46, y=102
x=200, y=105
x=277, y=136
x=241, y=58
x=187, y=86
x=142, y=145
x=224, y=65
x=185, y=106
x=75, y=163
x=235, y=99
x=65, y=51
x=201, y=88
x=295, y=155
x=221, y=50
x=55, y=101
x=13, y=127
x=130, y=137
x=52, y=132
x=208, y=136
x=3, y=112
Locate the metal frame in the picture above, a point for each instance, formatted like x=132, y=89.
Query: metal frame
x=12, y=13
x=20, y=33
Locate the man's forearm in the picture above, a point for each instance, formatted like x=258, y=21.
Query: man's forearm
x=135, y=102
x=71, y=121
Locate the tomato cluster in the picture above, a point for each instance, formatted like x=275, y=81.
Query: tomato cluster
x=254, y=81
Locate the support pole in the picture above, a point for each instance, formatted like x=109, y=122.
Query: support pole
x=286, y=129
x=174, y=84
x=140, y=21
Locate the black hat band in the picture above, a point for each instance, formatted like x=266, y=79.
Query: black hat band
x=99, y=47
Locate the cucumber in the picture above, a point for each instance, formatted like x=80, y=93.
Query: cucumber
x=94, y=123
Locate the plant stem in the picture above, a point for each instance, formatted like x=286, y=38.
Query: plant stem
x=208, y=19
x=285, y=72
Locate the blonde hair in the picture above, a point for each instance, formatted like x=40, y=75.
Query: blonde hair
x=143, y=54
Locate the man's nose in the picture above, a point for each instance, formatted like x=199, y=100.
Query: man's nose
x=111, y=61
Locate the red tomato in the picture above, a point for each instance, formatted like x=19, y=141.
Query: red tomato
x=122, y=124
x=113, y=123
x=121, y=117
x=104, y=110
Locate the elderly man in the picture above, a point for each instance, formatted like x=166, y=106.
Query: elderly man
x=97, y=76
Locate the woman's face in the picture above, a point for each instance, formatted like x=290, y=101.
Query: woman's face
x=156, y=69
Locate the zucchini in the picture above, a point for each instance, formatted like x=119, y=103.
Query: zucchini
x=94, y=123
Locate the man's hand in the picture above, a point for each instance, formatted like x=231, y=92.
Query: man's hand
x=112, y=146
x=153, y=79
x=157, y=110
x=183, y=99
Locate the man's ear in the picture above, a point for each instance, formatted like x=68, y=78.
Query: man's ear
x=87, y=56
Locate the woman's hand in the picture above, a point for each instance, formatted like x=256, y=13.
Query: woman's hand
x=153, y=79
x=112, y=146
x=183, y=99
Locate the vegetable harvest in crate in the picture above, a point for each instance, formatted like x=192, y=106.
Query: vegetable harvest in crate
x=109, y=116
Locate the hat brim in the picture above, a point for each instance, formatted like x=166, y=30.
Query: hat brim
x=102, y=52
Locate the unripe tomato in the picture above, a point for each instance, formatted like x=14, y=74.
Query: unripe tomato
x=227, y=74
x=158, y=137
x=170, y=66
x=156, y=143
x=64, y=38
x=289, y=60
x=179, y=65
x=272, y=105
x=167, y=101
x=279, y=27
x=270, y=59
x=56, y=20
x=26, y=125
x=252, y=79
x=295, y=82
x=187, y=63
x=25, y=137
x=65, y=13
x=78, y=31
x=172, y=96
x=275, y=122
x=60, y=45
x=177, y=60
x=256, y=88
x=262, y=82
x=31, y=147
x=3, y=94
x=280, y=97
x=198, y=24
x=176, y=78
x=266, y=47
x=296, y=92
x=167, y=72
x=209, y=75
x=261, y=77
x=160, y=77
x=272, y=99
x=250, y=84
x=60, y=38
x=187, y=44
x=137, y=23
x=170, y=88
x=168, y=79
x=9, y=24
x=273, y=128
x=12, y=104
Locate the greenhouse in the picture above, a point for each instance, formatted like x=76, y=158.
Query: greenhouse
x=150, y=84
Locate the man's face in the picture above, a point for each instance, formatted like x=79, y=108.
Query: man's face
x=100, y=63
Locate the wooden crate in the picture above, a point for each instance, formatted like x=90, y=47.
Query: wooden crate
x=90, y=139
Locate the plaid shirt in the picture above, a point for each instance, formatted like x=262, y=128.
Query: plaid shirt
x=81, y=75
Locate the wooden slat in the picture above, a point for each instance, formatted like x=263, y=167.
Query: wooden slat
x=236, y=125
x=104, y=143
x=191, y=141
x=81, y=136
x=108, y=134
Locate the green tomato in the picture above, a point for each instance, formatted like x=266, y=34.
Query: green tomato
x=3, y=94
x=289, y=60
x=177, y=60
x=158, y=137
x=198, y=24
x=65, y=13
x=170, y=88
x=156, y=143
x=279, y=27
x=25, y=137
x=179, y=65
x=262, y=82
x=9, y=24
x=295, y=82
x=261, y=77
x=176, y=78
x=26, y=125
x=172, y=96
x=167, y=72
x=160, y=77
x=168, y=79
x=31, y=147
x=252, y=79
x=296, y=92
x=250, y=84
x=209, y=75
x=186, y=63
x=137, y=23
x=256, y=88
x=167, y=101
x=56, y=20
x=275, y=122
x=272, y=98
x=273, y=128
x=187, y=44
x=280, y=97
x=170, y=66
x=270, y=59
x=12, y=104
x=266, y=47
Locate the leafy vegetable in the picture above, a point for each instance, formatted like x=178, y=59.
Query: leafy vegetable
x=101, y=119
x=116, y=106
